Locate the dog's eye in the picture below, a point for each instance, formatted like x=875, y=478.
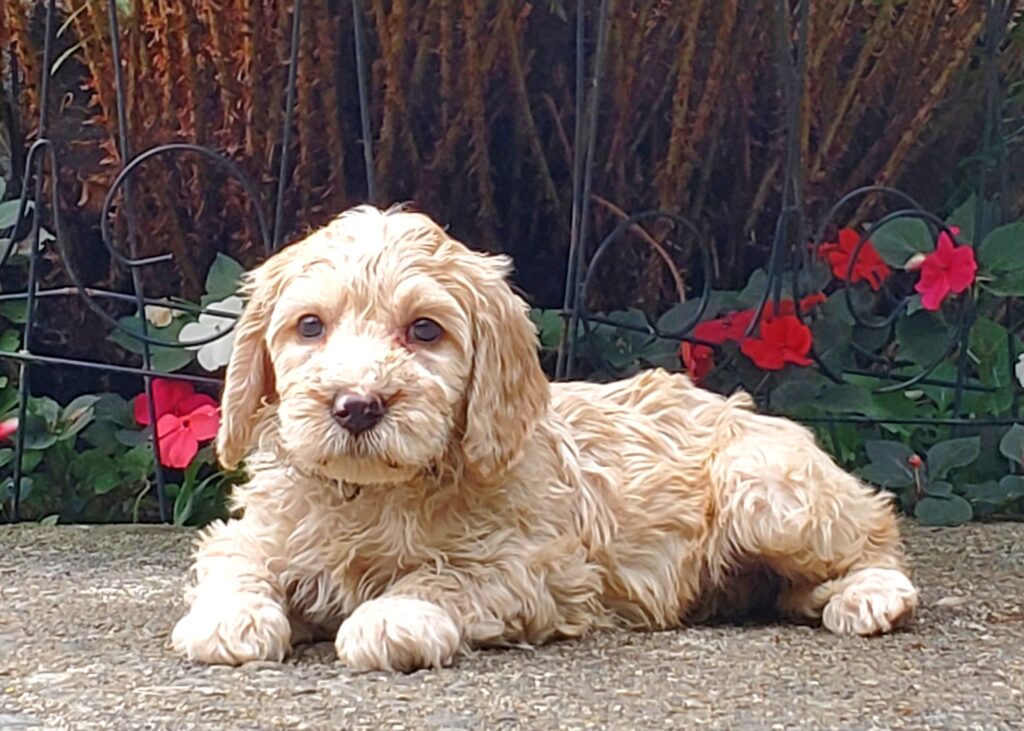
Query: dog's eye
x=423, y=331
x=310, y=326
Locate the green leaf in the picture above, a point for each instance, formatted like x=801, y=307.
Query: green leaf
x=836, y=309
x=96, y=471
x=50, y=519
x=100, y=435
x=632, y=317
x=77, y=415
x=132, y=437
x=949, y=511
x=112, y=407
x=845, y=398
x=46, y=409
x=963, y=218
x=988, y=346
x=31, y=460
x=165, y=359
x=14, y=310
x=751, y=295
x=37, y=433
x=832, y=343
x=901, y=238
x=798, y=393
x=79, y=407
x=8, y=400
x=662, y=353
x=813, y=278
x=889, y=464
x=1013, y=485
x=1003, y=249
x=951, y=454
x=1008, y=284
x=1011, y=445
x=675, y=319
x=1008, y=489
x=9, y=212
x=939, y=489
x=183, y=502
x=549, y=326
x=923, y=337
x=10, y=341
x=224, y=278
x=138, y=463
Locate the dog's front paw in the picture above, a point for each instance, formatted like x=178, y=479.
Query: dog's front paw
x=874, y=601
x=231, y=629
x=397, y=633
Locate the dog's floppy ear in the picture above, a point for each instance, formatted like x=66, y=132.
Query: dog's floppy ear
x=249, y=381
x=508, y=391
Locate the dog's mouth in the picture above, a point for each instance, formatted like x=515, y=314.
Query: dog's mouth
x=360, y=471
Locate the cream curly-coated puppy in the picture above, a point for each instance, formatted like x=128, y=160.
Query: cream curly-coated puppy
x=419, y=489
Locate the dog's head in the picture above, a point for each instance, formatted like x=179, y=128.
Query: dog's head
x=383, y=348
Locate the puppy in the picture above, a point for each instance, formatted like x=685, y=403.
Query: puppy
x=418, y=489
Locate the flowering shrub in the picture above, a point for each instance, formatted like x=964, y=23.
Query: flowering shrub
x=874, y=339
x=92, y=460
x=875, y=381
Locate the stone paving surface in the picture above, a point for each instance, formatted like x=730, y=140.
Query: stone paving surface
x=85, y=614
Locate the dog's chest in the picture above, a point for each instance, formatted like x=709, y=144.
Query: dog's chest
x=340, y=556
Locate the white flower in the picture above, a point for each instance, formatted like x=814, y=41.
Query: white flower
x=160, y=316
x=1019, y=370
x=914, y=263
x=217, y=353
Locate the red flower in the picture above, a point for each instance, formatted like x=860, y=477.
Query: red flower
x=184, y=418
x=7, y=428
x=786, y=306
x=699, y=358
x=783, y=340
x=180, y=435
x=948, y=269
x=869, y=266
x=170, y=397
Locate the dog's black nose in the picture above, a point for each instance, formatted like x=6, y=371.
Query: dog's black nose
x=358, y=412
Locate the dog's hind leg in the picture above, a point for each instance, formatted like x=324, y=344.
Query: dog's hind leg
x=783, y=501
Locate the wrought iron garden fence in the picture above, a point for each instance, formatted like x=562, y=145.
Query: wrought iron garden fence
x=788, y=275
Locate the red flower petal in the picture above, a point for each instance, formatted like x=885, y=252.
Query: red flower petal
x=193, y=402
x=868, y=267
x=948, y=269
x=963, y=268
x=698, y=359
x=167, y=394
x=8, y=428
x=783, y=340
x=765, y=355
x=933, y=290
x=203, y=422
x=177, y=444
x=797, y=343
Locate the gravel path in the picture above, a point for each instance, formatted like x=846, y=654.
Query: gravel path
x=85, y=614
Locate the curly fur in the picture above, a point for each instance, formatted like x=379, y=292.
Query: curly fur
x=490, y=507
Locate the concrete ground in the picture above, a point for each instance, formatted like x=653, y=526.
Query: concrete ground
x=85, y=614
